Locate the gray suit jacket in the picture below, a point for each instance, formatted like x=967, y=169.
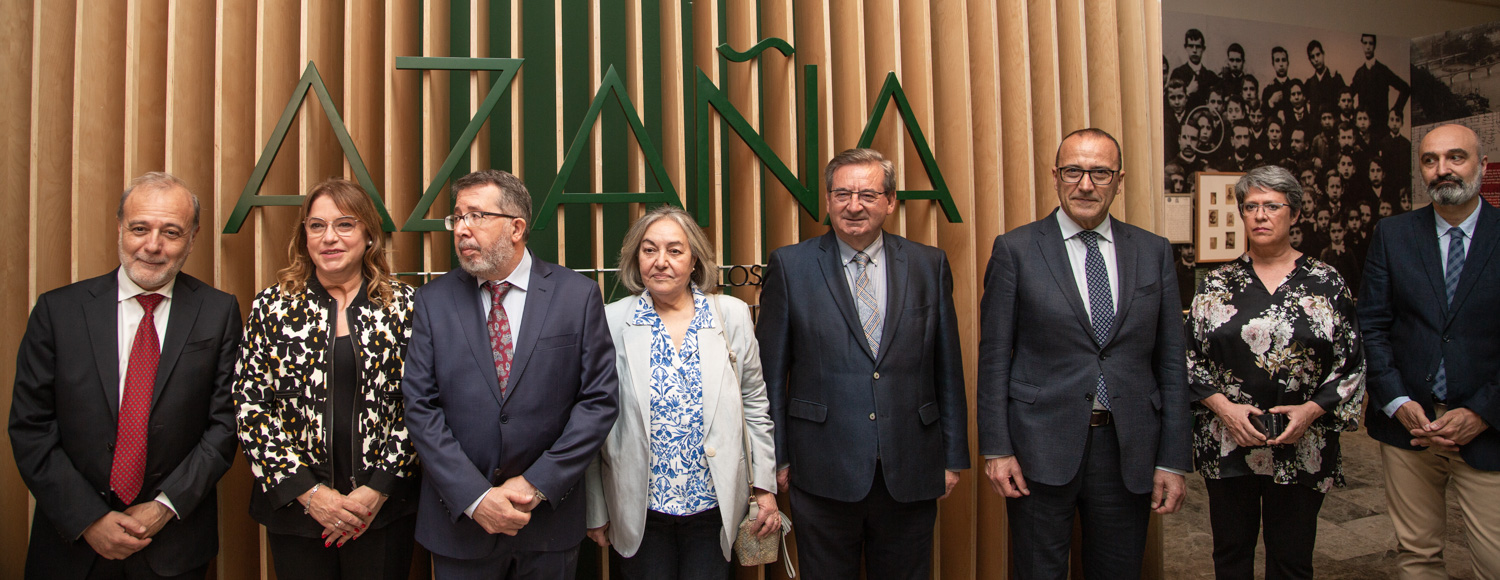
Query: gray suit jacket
x=837, y=406
x=1039, y=362
x=618, y=482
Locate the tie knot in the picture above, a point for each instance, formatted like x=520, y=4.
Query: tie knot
x=1090, y=238
x=149, y=302
x=1456, y=233
x=498, y=288
x=861, y=258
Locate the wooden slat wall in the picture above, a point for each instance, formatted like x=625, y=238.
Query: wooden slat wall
x=99, y=92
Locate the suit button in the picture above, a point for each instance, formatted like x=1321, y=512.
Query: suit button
x=1088, y=396
x=111, y=447
x=504, y=418
x=1447, y=339
x=872, y=416
x=877, y=376
x=1429, y=378
x=1103, y=356
x=709, y=451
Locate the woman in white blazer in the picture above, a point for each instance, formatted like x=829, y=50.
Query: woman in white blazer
x=671, y=484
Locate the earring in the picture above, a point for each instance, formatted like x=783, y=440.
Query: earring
x=369, y=243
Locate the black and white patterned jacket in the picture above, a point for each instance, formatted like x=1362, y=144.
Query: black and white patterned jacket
x=281, y=392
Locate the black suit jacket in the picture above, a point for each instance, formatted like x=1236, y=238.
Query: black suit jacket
x=835, y=404
x=560, y=402
x=66, y=408
x=1039, y=362
x=1409, y=326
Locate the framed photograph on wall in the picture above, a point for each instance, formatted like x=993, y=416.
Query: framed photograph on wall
x=1219, y=238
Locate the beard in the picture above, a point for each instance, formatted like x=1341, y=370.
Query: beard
x=135, y=267
x=487, y=264
x=1452, y=190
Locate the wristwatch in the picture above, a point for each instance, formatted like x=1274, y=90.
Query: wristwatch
x=540, y=496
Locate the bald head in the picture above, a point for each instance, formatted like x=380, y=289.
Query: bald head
x=1452, y=164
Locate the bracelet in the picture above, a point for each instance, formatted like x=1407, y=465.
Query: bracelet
x=310, y=495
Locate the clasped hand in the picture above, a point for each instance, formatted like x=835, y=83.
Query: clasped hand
x=342, y=517
x=507, y=509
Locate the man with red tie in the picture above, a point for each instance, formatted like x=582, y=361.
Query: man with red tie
x=121, y=421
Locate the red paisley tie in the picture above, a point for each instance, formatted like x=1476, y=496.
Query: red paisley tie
x=129, y=466
x=501, y=345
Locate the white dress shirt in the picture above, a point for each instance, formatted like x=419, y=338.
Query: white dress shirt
x=515, y=307
x=128, y=316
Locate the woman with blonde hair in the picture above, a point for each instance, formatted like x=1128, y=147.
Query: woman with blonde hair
x=318, y=392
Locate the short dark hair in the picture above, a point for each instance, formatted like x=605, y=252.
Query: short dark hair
x=1311, y=44
x=513, y=195
x=1249, y=78
x=1235, y=47
x=1091, y=132
x=1297, y=83
x=1369, y=36
x=862, y=157
x=1176, y=84
x=1192, y=34
x=1276, y=49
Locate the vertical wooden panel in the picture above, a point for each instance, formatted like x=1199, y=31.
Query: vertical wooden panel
x=781, y=124
x=145, y=86
x=17, y=26
x=1140, y=97
x=278, y=65
x=189, y=120
x=1071, y=65
x=434, y=127
x=98, y=137
x=51, y=191
x=1048, y=114
x=401, y=152
x=917, y=57
x=745, y=186
x=1103, y=48
x=1024, y=199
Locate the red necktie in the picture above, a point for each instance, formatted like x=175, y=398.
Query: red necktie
x=501, y=345
x=135, y=406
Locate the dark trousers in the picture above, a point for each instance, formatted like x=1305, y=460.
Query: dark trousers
x=1237, y=508
x=509, y=565
x=679, y=548
x=136, y=568
x=383, y=552
x=1114, y=519
x=894, y=537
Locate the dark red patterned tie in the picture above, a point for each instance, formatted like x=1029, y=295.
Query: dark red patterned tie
x=135, y=406
x=501, y=345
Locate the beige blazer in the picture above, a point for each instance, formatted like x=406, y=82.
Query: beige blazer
x=618, y=480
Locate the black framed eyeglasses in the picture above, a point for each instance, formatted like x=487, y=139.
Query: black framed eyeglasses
x=1074, y=174
x=343, y=226
x=472, y=219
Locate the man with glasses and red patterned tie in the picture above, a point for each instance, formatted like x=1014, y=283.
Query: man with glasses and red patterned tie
x=510, y=390
x=1427, y=313
x=121, y=420
x=1083, y=403
x=859, y=345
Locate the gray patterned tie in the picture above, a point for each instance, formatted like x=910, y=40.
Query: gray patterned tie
x=869, y=310
x=1451, y=275
x=1101, y=300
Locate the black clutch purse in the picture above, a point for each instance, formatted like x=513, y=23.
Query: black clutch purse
x=1269, y=424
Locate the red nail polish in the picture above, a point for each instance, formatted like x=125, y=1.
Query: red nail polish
x=328, y=543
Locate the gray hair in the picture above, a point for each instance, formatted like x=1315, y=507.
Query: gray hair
x=705, y=268
x=1271, y=178
x=862, y=157
x=513, y=195
x=156, y=181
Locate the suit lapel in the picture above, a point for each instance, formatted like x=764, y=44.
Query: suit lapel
x=1049, y=242
x=713, y=356
x=1480, y=249
x=833, y=275
x=638, y=353
x=538, y=304
x=895, y=292
x=1126, y=254
x=1432, y=260
x=185, y=305
x=473, y=321
x=101, y=317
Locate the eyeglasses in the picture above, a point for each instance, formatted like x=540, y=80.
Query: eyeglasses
x=1074, y=174
x=344, y=226
x=865, y=196
x=1270, y=208
x=472, y=219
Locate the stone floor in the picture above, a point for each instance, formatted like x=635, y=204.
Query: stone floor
x=1355, y=539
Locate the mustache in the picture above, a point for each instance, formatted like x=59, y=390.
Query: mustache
x=469, y=245
x=1449, y=178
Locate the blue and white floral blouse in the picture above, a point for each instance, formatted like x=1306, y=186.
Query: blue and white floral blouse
x=680, y=481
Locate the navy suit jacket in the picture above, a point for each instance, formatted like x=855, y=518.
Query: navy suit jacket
x=560, y=402
x=836, y=406
x=66, y=409
x=1409, y=327
x=1039, y=362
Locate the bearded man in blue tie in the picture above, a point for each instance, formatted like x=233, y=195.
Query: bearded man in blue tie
x=1427, y=312
x=1082, y=390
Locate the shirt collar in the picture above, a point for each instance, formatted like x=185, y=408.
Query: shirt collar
x=129, y=289
x=519, y=278
x=847, y=252
x=1467, y=225
x=1071, y=228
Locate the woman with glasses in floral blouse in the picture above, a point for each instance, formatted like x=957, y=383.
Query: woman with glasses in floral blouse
x=1276, y=368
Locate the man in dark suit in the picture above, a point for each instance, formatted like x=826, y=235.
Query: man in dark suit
x=1082, y=389
x=510, y=390
x=1195, y=75
x=1427, y=312
x=1373, y=82
x=1324, y=84
x=101, y=361
x=859, y=342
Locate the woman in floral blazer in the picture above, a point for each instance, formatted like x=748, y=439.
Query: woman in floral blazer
x=318, y=392
x=1275, y=364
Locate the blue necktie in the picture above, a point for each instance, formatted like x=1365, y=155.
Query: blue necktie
x=1450, y=279
x=1101, y=300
